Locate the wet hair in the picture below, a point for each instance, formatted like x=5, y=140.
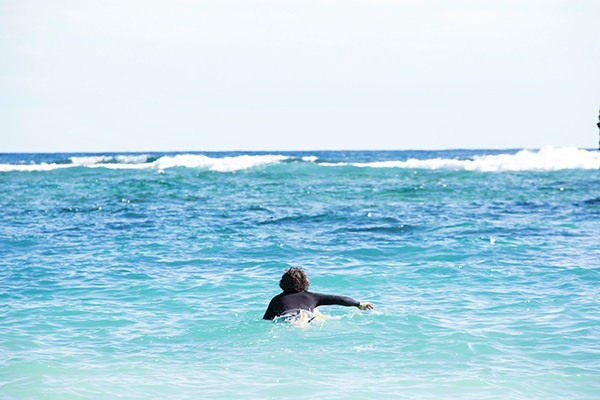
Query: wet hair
x=294, y=280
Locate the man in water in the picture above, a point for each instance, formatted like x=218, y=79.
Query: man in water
x=296, y=298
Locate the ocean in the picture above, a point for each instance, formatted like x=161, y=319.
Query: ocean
x=146, y=275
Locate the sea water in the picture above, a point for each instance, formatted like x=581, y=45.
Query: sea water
x=139, y=276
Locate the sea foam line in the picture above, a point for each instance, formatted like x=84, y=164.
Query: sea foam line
x=225, y=164
x=545, y=159
x=121, y=159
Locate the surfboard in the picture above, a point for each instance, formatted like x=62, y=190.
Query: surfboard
x=300, y=318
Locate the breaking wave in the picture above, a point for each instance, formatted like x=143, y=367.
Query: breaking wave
x=545, y=159
x=225, y=164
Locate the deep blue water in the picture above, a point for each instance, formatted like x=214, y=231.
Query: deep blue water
x=142, y=276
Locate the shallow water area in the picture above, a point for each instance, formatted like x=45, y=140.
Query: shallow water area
x=146, y=275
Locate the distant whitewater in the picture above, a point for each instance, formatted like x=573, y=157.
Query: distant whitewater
x=545, y=159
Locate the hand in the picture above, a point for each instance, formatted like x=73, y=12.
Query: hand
x=365, y=305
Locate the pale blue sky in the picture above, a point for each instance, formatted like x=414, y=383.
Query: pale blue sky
x=297, y=75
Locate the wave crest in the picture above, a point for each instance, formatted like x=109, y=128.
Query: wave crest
x=545, y=159
x=225, y=164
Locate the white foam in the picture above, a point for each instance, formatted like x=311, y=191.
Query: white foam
x=225, y=164
x=89, y=160
x=545, y=159
x=32, y=167
x=132, y=159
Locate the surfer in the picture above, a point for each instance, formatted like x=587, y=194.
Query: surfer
x=296, y=299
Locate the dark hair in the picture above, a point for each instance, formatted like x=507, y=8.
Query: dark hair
x=294, y=280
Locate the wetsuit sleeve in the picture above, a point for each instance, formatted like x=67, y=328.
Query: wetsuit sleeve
x=327, y=300
x=269, y=314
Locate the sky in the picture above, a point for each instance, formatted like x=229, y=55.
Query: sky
x=177, y=75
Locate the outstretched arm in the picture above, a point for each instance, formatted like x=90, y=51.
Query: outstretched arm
x=326, y=300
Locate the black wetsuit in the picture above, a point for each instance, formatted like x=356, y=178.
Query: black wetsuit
x=285, y=303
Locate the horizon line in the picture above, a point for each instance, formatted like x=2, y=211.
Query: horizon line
x=287, y=151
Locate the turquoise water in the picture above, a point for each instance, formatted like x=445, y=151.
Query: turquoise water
x=140, y=276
